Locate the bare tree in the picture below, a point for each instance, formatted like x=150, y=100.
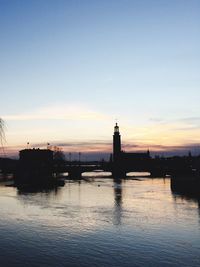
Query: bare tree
x=2, y=134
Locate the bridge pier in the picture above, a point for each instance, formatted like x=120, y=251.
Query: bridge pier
x=75, y=173
x=118, y=173
x=157, y=173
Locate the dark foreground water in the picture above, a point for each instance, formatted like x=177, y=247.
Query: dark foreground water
x=100, y=223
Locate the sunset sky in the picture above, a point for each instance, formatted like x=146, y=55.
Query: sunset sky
x=69, y=69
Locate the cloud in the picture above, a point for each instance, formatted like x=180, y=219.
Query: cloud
x=59, y=112
x=186, y=122
x=157, y=120
x=191, y=120
x=99, y=149
x=189, y=123
x=80, y=146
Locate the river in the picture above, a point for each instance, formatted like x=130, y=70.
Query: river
x=100, y=222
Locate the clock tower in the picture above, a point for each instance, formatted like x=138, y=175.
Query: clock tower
x=116, y=143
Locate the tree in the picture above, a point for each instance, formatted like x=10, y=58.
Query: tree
x=2, y=134
x=58, y=155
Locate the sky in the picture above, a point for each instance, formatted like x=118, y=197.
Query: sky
x=70, y=69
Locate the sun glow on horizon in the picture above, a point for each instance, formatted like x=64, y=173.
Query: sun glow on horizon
x=80, y=128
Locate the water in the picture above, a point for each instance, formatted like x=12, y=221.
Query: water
x=98, y=222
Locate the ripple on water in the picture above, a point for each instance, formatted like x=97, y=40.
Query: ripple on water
x=131, y=223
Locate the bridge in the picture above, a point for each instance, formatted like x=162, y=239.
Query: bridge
x=75, y=171
x=157, y=167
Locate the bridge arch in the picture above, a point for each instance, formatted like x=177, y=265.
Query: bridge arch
x=138, y=174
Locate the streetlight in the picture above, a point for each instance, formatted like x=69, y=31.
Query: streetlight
x=79, y=157
x=70, y=157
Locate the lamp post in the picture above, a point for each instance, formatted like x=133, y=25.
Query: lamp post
x=79, y=158
x=70, y=158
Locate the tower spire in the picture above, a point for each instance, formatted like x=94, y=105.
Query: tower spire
x=116, y=128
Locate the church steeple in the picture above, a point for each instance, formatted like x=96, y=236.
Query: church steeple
x=116, y=143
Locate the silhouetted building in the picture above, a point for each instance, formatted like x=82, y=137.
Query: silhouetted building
x=122, y=157
x=37, y=157
x=35, y=166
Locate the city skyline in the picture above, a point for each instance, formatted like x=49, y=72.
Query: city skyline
x=69, y=70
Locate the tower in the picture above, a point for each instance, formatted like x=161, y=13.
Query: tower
x=116, y=143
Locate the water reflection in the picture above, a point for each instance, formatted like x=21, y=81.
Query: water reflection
x=186, y=189
x=185, y=192
x=35, y=190
x=117, y=185
x=75, y=193
x=38, y=199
